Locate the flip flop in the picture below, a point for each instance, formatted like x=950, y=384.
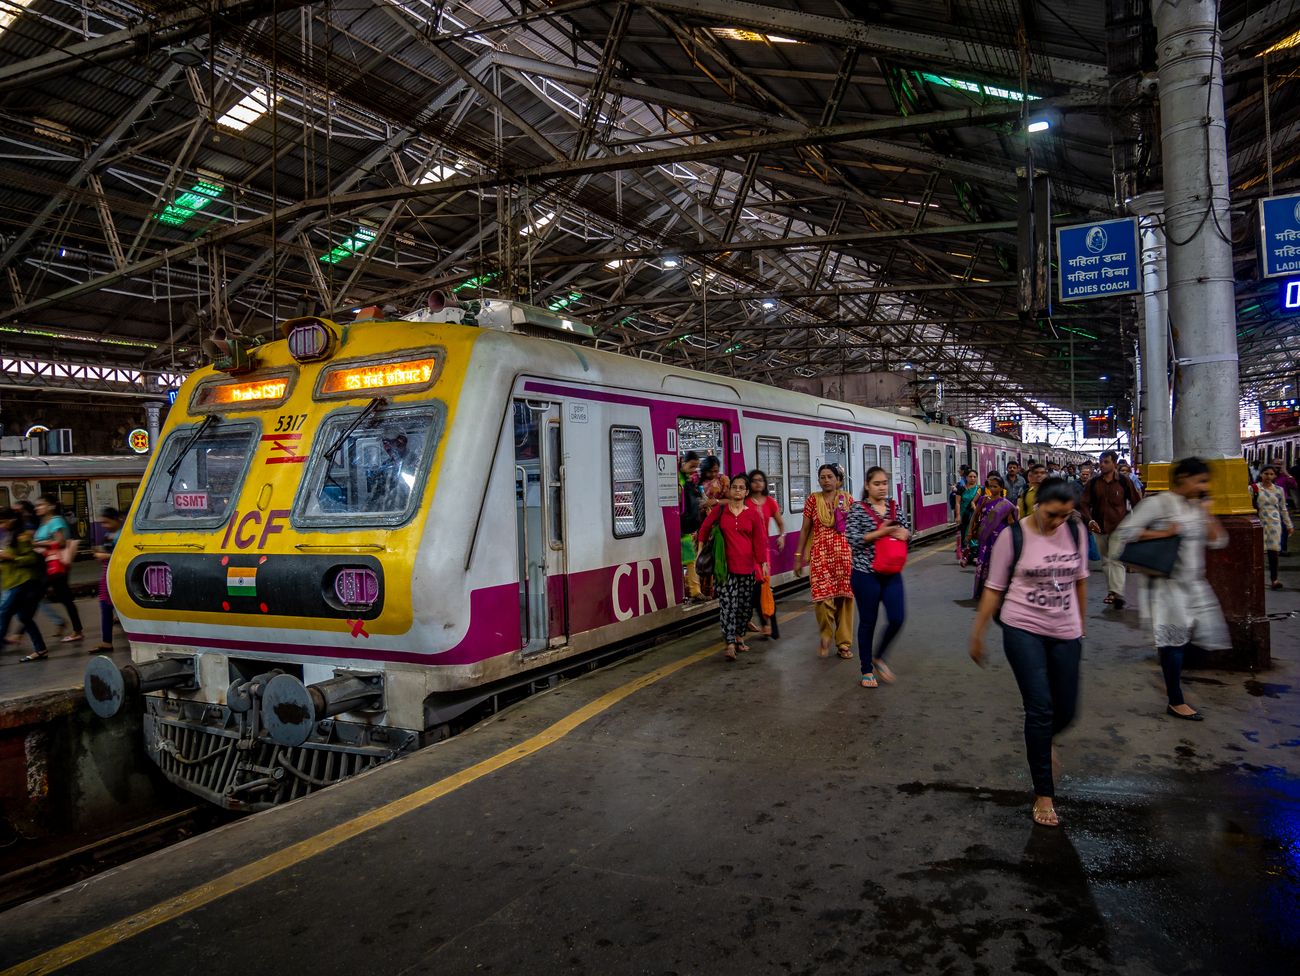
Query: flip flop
x=1046, y=817
x=845, y=653
x=1110, y=598
x=869, y=681
x=35, y=656
x=886, y=672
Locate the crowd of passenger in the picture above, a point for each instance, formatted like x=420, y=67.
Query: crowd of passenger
x=37, y=550
x=1030, y=535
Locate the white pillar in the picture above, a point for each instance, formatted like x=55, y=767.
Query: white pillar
x=1157, y=424
x=1202, y=309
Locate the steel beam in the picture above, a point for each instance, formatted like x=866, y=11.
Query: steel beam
x=347, y=203
x=918, y=46
x=154, y=32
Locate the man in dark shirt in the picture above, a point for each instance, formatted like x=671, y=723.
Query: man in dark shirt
x=1107, y=499
x=1015, y=483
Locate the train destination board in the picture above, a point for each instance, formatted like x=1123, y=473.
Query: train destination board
x=382, y=376
x=1098, y=260
x=1279, y=235
x=1099, y=424
x=1009, y=425
x=1279, y=414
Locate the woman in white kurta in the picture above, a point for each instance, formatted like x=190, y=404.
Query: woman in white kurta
x=1182, y=609
x=1270, y=501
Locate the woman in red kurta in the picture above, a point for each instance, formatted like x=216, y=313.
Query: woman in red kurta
x=744, y=534
x=770, y=510
x=830, y=561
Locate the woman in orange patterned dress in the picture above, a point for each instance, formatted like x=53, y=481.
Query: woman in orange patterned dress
x=826, y=551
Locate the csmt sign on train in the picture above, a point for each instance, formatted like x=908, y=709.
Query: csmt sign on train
x=1279, y=235
x=1098, y=260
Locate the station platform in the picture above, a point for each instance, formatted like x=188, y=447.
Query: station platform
x=679, y=814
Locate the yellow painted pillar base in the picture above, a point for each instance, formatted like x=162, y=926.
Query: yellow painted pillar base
x=1230, y=486
x=1156, y=476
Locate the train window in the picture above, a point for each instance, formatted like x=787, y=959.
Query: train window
x=771, y=462
x=196, y=480
x=799, y=453
x=870, y=457
x=627, y=481
x=126, y=495
x=835, y=450
x=376, y=471
x=4, y=496
x=704, y=437
x=886, y=460
x=927, y=462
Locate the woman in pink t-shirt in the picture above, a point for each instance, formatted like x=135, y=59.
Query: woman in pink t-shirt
x=769, y=509
x=1041, y=597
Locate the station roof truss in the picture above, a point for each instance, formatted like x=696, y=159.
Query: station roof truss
x=773, y=190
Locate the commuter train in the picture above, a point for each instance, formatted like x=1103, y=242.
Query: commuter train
x=1262, y=448
x=85, y=485
x=345, y=531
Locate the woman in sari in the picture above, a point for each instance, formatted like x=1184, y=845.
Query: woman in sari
x=966, y=508
x=993, y=513
x=825, y=550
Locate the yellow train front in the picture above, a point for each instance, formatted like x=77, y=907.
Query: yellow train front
x=264, y=577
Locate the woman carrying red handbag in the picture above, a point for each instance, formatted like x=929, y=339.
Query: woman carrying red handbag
x=877, y=532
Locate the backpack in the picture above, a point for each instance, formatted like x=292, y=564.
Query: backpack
x=691, y=519
x=1018, y=547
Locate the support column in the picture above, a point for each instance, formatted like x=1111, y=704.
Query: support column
x=1202, y=307
x=1157, y=421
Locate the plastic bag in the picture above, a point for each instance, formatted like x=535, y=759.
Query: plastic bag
x=766, y=601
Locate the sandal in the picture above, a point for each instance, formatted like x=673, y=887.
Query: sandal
x=753, y=627
x=1045, y=816
x=1277, y=584
x=102, y=649
x=886, y=672
x=730, y=652
x=72, y=638
x=1110, y=598
x=35, y=656
x=741, y=646
x=869, y=681
x=845, y=653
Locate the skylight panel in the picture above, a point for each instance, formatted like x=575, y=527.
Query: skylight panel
x=741, y=34
x=976, y=88
x=246, y=111
x=362, y=238
x=190, y=202
x=537, y=224
x=439, y=172
x=9, y=11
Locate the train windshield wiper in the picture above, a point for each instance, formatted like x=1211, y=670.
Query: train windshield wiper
x=371, y=407
x=208, y=421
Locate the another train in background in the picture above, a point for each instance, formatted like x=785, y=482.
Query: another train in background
x=84, y=485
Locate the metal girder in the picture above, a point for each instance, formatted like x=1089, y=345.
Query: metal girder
x=916, y=45
x=563, y=169
x=106, y=221
x=752, y=296
x=87, y=165
x=910, y=155
x=152, y=33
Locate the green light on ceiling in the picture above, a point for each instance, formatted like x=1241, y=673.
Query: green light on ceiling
x=477, y=282
x=730, y=349
x=977, y=88
x=187, y=204
x=355, y=244
x=1078, y=332
x=562, y=303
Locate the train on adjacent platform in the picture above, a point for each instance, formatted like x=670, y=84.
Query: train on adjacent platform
x=84, y=485
x=345, y=529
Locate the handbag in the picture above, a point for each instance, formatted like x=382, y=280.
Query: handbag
x=720, y=571
x=766, y=601
x=704, y=559
x=891, y=553
x=1152, y=557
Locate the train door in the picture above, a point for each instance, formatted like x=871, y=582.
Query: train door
x=835, y=450
x=74, y=497
x=540, y=525
x=906, y=453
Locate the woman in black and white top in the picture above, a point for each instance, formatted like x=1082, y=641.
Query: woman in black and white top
x=874, y=518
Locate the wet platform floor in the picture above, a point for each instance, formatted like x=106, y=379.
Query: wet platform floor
x=767, y=816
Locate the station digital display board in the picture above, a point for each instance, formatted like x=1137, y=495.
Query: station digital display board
x=1008, y=425
x=1099, y=424
x=1279, y=414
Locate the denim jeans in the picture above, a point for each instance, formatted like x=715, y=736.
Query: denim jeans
x=21, y=602
x=1047, y=671
x=870, y=590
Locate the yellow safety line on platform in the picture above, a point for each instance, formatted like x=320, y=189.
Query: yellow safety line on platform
x=204, y=894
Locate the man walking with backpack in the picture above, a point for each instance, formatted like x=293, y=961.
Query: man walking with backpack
x=1107, y=499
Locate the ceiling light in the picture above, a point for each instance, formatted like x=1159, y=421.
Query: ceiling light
x=1104, y=378
x=671, y=261
x=741, y=34
x=1038, y=125
x=247, y=110
x=769, y=303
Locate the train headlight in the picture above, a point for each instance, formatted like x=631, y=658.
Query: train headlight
x=310, y=339
x=356, y=587
x=156, y=580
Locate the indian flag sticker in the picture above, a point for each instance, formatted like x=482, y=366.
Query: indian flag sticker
x=241, y=580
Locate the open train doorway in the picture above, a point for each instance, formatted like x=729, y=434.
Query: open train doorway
x=540, y=526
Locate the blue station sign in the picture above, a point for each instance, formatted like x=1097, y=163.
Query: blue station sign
x=1098, y=260
x=1279, y=235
